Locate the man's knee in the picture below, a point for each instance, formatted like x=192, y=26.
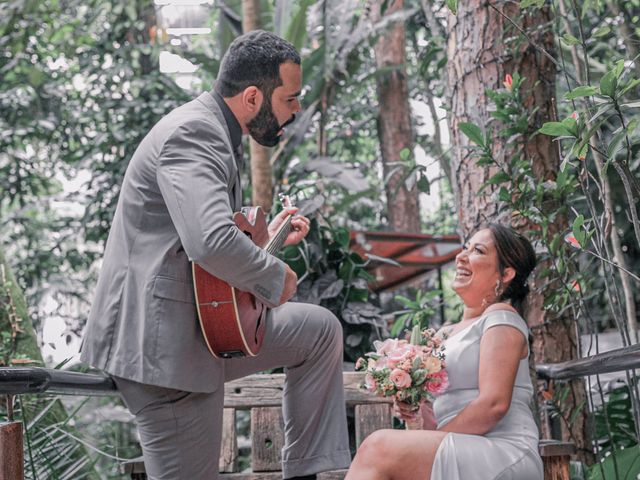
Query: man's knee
x=326, y=322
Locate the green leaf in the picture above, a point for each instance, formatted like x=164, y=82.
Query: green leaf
x=583, y=91
x=602, y=31
x=627, y=464
x=453, y=6
x=36, y=77
x=416, y=335
x=632, y=84
x=498, y=178
x=529, y=3
x=296, y=29
x=570, y=39
x=616, y=143
x=578, y=231
x=473, y=132
x=61, y=34
x=619, y=68
x=608, y=84
x=423, y=184
x=555, y=129
x=130, y=9
x=635, y=104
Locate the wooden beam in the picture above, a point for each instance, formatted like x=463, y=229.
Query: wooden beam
x=266, y=391
x=621, y=359
x=11, y=453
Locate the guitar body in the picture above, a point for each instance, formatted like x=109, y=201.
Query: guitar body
x=232, y=322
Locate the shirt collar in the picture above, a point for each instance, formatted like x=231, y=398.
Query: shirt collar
x=235, y=130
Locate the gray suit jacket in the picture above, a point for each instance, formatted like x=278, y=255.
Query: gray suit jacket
x=176, y=203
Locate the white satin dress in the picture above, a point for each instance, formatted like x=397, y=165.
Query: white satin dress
x=510, y=450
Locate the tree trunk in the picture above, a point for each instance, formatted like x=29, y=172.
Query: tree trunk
x=483, y=46
x=261, y=174
x=394, y=122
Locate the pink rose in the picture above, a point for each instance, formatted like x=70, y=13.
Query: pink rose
x=370, y=383
x=404, y=352
x=400, y=378
x=389, y=345
x=432, y=365
x=439, y=383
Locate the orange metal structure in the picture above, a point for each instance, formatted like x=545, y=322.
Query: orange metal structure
x=417, y=254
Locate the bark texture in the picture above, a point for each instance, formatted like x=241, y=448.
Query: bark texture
x=483, y=46
x=261, y=172
x=394, y=121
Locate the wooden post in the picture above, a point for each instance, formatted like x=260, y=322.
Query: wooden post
x=267, y=439
x=11, y=454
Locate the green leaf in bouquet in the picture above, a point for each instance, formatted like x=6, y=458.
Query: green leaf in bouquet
x=419, y=376
x=417, y=362
x=416, y=335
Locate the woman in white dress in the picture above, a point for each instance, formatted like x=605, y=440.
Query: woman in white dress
x=482, y=427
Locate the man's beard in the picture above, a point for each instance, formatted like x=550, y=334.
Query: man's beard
x=264, y=127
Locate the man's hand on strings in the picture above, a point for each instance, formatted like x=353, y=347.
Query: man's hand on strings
x=299, y=225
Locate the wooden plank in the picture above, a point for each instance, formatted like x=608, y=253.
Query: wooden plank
x=370, y=418
x=554, y=448
x=332, y=475
x=11, y=451
x=267, y=439
x=265, y=390
x=626, y=358
x=135, y=466
x=229, y=447
x=556, y=468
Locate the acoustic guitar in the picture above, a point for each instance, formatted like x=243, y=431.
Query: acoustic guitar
x=232, y=321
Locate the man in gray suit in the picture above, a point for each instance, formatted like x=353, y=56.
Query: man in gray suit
x=175, y=206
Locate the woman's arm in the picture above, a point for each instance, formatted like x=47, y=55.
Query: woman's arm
x=501, y=349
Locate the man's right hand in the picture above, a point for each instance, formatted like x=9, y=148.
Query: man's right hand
x=290, y=285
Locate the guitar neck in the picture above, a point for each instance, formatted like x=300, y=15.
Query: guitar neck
x=277, y=241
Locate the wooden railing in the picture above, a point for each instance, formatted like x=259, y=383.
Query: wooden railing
x=262, y=395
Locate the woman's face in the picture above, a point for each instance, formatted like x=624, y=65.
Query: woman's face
x=477, y=270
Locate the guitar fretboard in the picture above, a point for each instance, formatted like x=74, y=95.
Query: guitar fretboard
x=275, y=244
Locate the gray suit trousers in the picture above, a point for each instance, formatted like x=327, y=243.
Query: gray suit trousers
x=180, y=432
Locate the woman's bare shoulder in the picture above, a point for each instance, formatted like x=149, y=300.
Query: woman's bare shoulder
x=500, y=306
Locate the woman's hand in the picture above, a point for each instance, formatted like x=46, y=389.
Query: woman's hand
x=410, y=412
x=299, y=225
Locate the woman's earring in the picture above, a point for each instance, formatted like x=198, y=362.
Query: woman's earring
x=498, y=290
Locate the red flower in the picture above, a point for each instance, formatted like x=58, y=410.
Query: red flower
x=571, y=240
x=508, y=82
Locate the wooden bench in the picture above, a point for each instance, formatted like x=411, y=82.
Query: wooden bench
x=262, y=395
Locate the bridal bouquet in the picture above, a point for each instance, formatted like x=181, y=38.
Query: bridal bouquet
x=410, y=371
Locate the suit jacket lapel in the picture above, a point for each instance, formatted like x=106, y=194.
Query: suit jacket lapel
x=235, y=189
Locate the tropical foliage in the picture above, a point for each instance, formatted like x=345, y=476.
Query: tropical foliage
x=80, y=86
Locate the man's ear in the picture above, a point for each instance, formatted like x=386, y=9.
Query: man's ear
x=252, y=99
x=508, y=275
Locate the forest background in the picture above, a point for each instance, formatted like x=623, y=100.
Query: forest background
x=531, y=115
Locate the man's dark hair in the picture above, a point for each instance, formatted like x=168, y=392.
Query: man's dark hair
x=254, y=59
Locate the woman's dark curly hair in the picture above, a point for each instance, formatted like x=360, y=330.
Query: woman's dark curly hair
x=514, y=251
